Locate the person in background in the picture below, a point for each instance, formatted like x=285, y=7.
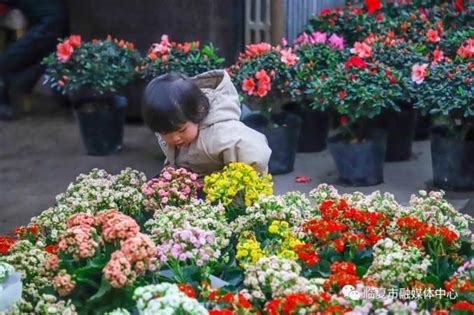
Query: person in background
x=20, y=62
x=197, y=123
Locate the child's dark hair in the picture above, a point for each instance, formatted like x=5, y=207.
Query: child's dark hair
x=171, y=100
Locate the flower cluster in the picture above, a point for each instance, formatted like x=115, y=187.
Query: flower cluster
x=90, y=194
x=395, y=264
x=466, y=50
x=50, y=305
x=198, y=214
x=274, y=277
x=238, y=183
x=166, y=298
x=187, y=58
x=191, y=244
x=292, y=207
x=63, y=283
x=116, y=225
x=6, y=242
x=304, y=303
x=262, y=88
x=174, y=187
x=79, y=241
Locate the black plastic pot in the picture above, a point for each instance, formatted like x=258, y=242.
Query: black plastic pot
x=282, y=140
x=359, y=164
x=314, y=127
x=422, y=126
x=101, y=121
x=453, y=168
x=400, y=133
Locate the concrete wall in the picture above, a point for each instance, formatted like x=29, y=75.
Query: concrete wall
x=144, y=21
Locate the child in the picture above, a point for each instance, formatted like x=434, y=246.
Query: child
x=197, y=123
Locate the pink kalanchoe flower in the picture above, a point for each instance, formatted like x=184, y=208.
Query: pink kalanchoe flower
x=419, y=73
x=79, y=242
x=284, y=41
x=139, y=250
x=362, y=50
x=336, y=42
x=119, y=228
x=118, y=270
x=63, y=283
x=81, y=219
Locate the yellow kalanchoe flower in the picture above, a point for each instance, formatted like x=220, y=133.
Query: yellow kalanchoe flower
x=237, y=181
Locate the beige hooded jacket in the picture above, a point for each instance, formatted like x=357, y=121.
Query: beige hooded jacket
x=222, y=137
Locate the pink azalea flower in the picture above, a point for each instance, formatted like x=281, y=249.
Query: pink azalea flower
x=362, y=50
x=288, y=57
x=320, y=37
x=419, y=73
x=336, y=42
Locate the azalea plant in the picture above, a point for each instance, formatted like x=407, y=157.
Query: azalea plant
x=101, y=66
x=359, y=91
x=317, y=53
x=445, y=90
x=188, y=58
x=263, y=74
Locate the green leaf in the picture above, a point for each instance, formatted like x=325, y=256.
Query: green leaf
x=104, y=288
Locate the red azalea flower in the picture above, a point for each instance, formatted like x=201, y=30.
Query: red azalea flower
x=372, y=5
x=64, y=51
x=342, y=94
x=343, y=120
x=379, y=17
x=356, y=62
x=248, y=86
x=393, y=80
x=459, y=5
x=75, y=41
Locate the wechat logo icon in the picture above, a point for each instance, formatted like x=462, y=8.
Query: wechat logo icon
x=350, y=292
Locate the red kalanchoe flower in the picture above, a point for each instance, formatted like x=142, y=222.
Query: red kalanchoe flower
x=186, y=289
x=6, y=242
x=51, y=249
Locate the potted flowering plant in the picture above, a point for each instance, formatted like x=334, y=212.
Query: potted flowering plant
x=359, y=91
x=317, y=53
x=262, y=75
x=100, y=260
x=188, y=58
x=445, y=91
x=92, y=73
x=398, y=54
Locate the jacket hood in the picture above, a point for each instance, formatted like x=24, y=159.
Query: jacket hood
x=223, y=97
